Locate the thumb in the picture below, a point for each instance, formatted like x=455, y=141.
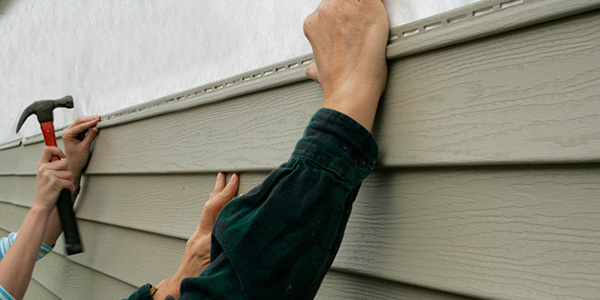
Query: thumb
x=48, y=152
x=313, y=72
x=89, y=138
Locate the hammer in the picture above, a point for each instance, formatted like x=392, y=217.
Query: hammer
x=43, y=109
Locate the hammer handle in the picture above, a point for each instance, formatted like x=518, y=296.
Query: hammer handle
x=69, y=223
x=64, y=204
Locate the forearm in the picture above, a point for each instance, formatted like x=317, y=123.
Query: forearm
x=54, y=227
x=362, y=109
x=283, y=249
x=17, y=266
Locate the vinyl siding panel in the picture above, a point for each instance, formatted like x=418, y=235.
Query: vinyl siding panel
x=473, y=103
x=56, y=277
x=37, y=291
x=344, y=286
x=455, y=229
x=487, y=184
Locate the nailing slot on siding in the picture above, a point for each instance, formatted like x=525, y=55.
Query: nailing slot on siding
x=410, y=32
x=483, y=11
x=433, y=26
x=456, y=19
x=508, y=4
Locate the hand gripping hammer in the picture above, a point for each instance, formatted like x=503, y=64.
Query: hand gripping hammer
x=43, y=109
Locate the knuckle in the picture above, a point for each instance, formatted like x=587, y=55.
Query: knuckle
x=43, y=169
x=209, y=205
x=309, y=24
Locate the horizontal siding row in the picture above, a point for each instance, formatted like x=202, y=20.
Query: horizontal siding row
x=528, y=96
x=56, y=277
x=487, y=184
x=37, y=291
x=455, y=229
x=82, y=276
x=344, y=286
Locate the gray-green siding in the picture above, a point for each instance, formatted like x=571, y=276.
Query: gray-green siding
x=487, y=185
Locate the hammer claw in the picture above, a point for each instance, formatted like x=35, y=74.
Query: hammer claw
x=43, y=110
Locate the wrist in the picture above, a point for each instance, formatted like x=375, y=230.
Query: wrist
x=167, y=287
x=41, y=209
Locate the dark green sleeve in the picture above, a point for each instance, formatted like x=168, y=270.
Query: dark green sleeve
x=278, y=240
x=142, y=293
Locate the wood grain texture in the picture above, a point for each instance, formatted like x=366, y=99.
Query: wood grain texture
x=132, y=256
x=343, y=286
x=525, y=97
x=37, y=291
x=499, y=233
x=468, y=24
x=22, y=160
x=65, y=279
x=17, y=189
x=9, y=160
x=164, y=204
x=529, y=96
x=114, y=251
x=263, y=126
x=11, y=216
x=493, y=232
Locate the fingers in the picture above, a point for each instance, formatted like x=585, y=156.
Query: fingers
x=57, y=165
x=56, y=174
x=218, y=199
x=312, y=72
x=219, y=184
x=79, y=127
x=224, y=195
x=90, y=136
x=48, y=152
x=84, y=119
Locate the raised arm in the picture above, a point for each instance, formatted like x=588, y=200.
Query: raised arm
x=17, y=266
x=77, y=140
x=279, y=240
x=349, y=41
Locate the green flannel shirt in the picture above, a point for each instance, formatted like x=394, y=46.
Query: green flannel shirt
x=278, y=240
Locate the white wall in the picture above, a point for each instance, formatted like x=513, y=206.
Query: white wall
x=112, y=54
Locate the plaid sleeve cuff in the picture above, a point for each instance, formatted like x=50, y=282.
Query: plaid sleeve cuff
x=338, y=143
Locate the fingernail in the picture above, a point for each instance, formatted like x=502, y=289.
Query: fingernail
x=220, y=176
x=233, y=177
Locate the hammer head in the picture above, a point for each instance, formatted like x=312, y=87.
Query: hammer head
x=43, y=109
